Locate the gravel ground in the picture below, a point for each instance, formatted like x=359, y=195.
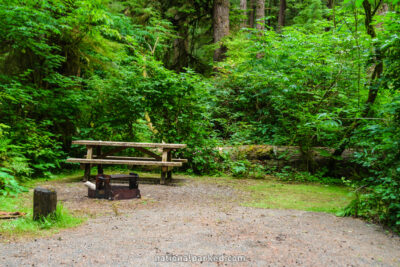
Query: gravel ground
x=199, y=219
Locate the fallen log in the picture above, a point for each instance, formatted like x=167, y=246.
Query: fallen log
x=11, y=215
x=278, y=157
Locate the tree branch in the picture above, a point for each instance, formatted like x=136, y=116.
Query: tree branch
x=376, y=8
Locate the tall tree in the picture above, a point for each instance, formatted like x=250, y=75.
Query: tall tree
x=378, y=68
x=282, y=10
x=260, y=14
x=331, y=5
x=220, y=26
x=251, y=13
x=179, y=54
x=243, y=8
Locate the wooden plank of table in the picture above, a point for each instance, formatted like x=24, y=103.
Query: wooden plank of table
x=112, y=151
x=148, y=152
x=137, y=158
x=124, y=162
x=126, y=144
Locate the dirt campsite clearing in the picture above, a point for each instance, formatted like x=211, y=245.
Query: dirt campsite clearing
x=200, y=218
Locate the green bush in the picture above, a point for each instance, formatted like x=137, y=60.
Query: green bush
x=300, y=92
x=12, y=164
x=290, y=175
x=8, y=183
x=379, y=196
x=245, y=169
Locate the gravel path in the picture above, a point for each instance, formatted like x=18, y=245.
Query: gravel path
x=200, y=218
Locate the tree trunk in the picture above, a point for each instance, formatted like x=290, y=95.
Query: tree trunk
x=260, y=14
x=220, y=26
x=251, y=13
x=281, y=17
x=331, y=5
x=44, y=202
x=368, y=18
x=243, y=8
x=378, y=69
x=180, y=52
x=268, y=12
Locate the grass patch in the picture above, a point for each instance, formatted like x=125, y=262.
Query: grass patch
x=25, y=226
x=271, y=193
x=308, y=197
x=68, y=176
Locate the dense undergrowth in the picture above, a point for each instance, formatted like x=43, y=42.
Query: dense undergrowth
x=98, y=70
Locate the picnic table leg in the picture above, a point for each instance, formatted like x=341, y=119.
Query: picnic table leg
x=163, y=175
x=89, y=155
x=169, y=173
x=87, y=172
x=164, y=169
x=99, y=166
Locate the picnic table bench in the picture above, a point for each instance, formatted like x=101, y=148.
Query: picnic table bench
x=164, y=160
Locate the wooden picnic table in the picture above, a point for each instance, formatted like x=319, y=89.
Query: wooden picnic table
x=164, y=160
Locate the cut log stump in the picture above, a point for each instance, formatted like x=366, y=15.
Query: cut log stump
x=44, y=202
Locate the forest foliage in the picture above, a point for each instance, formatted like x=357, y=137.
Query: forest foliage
x=316, y=74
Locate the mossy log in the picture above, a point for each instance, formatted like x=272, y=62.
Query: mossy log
x=278, y=157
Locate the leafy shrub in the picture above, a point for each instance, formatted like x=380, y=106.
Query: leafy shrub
x=300, y=92
x=8, y=183
x=290, y=175
x=12, y=164
x=203, y=160
x=379, y=196
x=41, y=148
x=246, y=169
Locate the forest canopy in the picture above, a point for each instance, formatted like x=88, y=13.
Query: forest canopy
x=311, y=73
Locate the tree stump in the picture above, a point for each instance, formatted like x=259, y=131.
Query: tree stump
x=44, y=202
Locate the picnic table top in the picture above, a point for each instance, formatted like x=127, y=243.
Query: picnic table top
x=126, y=144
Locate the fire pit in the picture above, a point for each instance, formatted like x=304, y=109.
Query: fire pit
x=104, y=189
